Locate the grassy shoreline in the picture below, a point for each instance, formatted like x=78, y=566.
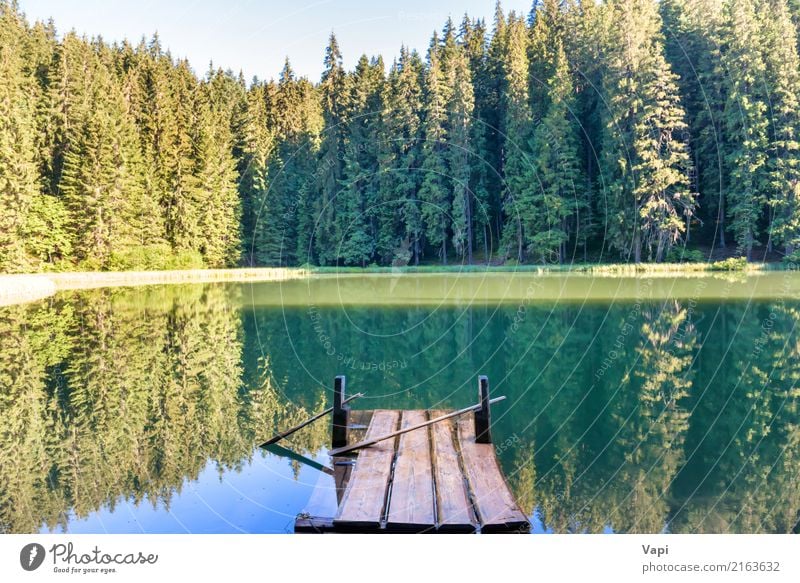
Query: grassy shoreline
x=23, y=288
x=588, y=268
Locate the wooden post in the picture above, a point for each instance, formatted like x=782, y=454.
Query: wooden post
x=483, y=418
x=341, y=414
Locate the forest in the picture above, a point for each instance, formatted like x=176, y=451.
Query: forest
x=626, y=130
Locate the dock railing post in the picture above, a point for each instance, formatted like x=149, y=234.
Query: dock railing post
x=341, y=414
x=483, y=417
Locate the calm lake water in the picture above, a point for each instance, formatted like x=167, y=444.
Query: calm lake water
x=634, y=405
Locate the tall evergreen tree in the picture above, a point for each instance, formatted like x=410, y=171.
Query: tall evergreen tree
x=783, y=85
x=517, y=129
x=745, y=121
x=461, y=153
x=560, y=196
x=434, y=191
x=220, y=210
x=400, y=229
x=484, y=174
x=258, y=143
x=692, y=45
x=18, y=172
x=333, y=93
x=358, y=199
x=646, y=155
x=101, y=179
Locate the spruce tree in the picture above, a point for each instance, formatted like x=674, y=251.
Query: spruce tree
x=483, y=176
x=646, y=155
x=692, y=46
x=783, y=86
x=258, y=143
x=559, y=198
x=434, y=192
x=220, y=210
x=18, y=175
x=333, y=94
x=745, y=121
x=400, y=226
x=517, y=129
x=358, y=197
x=101, y=178
x=461, y=154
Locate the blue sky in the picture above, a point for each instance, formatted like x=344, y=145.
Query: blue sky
x=256, y=35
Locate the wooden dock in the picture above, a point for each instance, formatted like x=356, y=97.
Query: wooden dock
x=442, y=477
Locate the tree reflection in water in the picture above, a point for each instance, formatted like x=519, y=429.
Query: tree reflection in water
x=128, y=395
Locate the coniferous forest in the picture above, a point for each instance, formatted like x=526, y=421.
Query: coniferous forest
x=627, y=130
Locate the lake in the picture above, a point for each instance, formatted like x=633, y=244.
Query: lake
x=634, y=404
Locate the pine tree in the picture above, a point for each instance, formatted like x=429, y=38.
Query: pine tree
x=101, y=179
x=220, y=210
x=745, y=121
x=333, y=93
x=358, y=198
x=546, y=35
x=584, y=21
x=492, y=113
x=559, y=198
x=646, y=155
x=434, y=192
x=783, y=85
x=692, y=47
x=400, y=226
x=177, y=163
x=461, y=154
x=258, y=143
x=517, y=127
x=483, y=174
x=282, y=221
x=18, y=176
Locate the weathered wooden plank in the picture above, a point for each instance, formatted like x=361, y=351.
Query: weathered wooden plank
x=452, y=499
x=365, y=497
x=411, y=507
x=372, y=440
x=497, y=510
x=313, y=524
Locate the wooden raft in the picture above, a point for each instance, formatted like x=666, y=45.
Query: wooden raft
x=433, y=479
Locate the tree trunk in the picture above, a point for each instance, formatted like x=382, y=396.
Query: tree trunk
x=469, y=227
x=485, y=244
x=637, y=247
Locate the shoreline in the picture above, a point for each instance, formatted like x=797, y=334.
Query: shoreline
x=24, y=288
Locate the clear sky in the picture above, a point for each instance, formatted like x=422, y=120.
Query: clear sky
x=256, y=35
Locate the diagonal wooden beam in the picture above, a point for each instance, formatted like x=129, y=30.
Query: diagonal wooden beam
x=373, y=441
x=278, y=436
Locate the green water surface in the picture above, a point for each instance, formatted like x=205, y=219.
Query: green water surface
x=642, y=404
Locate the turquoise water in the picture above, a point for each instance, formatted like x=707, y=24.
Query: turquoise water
x=634, y=404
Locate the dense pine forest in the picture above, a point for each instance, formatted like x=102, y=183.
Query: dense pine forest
x=627, y=130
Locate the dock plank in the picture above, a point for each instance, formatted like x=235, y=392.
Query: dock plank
x=492, y=498
x=452, y=498
x=365, y=496
x=411, y=507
